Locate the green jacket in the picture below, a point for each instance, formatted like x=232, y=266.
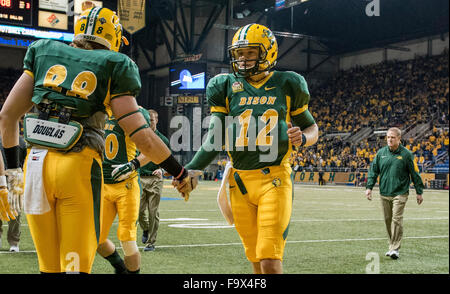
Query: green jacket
x=396, y=169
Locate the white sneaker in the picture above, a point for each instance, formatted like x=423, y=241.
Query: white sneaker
x=14, y=248
x=388, y=253
x=395, y=254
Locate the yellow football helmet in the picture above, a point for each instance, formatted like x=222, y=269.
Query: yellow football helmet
x=257, y=36
x=100, y=25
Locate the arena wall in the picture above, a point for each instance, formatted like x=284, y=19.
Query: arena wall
x=433, y=45
x=342, y=178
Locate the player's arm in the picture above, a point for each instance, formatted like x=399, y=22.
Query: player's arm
x=6, y=214
x=306, y=132
x=216, y=95
x=211, y=147
x=301, y=117
x=16, y=105
x=126, y=110
x=123, y=171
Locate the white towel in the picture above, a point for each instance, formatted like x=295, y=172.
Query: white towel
x=35, y=198
x=222, y=198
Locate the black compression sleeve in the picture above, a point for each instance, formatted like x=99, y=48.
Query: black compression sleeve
x=12, y=157
x=172, y=166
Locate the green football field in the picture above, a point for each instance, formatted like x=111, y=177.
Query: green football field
x=333, y=230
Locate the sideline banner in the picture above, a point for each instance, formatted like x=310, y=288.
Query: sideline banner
x=132, y=14
x=341, y=177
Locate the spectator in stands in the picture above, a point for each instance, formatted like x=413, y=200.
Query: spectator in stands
x=375, y=96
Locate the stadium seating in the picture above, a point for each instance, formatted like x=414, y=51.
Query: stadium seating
x=393, y=93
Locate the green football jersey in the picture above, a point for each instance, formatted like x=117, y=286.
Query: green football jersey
x=79, y=78
x=257, y=116
x=119, y=148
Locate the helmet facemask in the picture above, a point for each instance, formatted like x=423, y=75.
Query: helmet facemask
x=253, y=36
x=243, y=66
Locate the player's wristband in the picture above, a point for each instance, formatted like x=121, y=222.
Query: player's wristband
x=135, y=162
x=172, y=166
x=12, y=157
x=303, y=140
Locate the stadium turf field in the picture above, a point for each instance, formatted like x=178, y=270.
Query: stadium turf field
x=333, y=230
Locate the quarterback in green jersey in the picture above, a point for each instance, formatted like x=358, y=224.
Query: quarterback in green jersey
x=255, y=108
x=65, y=92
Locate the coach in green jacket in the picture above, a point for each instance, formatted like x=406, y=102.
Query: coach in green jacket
x=152, y=186
x=396, y=167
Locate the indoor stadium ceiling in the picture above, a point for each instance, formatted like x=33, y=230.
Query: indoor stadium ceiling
x=344, y=26
x=340, y=26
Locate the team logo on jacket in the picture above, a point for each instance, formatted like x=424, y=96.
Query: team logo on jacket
x=237, y=87
x=399, y=157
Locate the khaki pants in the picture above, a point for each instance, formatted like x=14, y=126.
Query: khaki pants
x=150, y=197
x=393, y=208
x=13, y=231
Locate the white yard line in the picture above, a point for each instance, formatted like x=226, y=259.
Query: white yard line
x=295, y=220
x=366, y=219
x=236, y=244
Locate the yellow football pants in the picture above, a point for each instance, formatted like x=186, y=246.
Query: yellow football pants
x=66, y=237
x=121, y=199
x=261, y=201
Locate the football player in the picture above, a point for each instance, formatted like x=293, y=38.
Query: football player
x=69, y=89
x=122, y=195
x=255, y=107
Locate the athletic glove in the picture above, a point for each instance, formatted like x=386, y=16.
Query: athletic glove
x=6, y=214
x=15, y=189
x=123, y=171
x=189, y=183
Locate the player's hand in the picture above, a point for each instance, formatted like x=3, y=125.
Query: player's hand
x=123, y=171
x=157, y=173
x=6, y=214
x=419, y=199
x=369, y=194
x=188, y=184
x=15, y=189
x=295, y=135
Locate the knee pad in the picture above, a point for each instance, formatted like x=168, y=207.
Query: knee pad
x=129, y=247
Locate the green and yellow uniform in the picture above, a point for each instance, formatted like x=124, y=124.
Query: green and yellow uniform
x=261, y=188
x=270, y=104
x=121, y=198
x=85, y=81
